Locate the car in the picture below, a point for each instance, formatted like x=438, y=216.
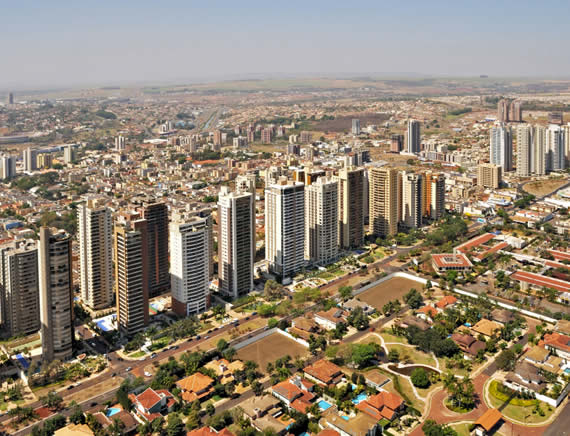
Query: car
x=190, y=339
x=247, y=318
x=153, y=355
x=114, y=374
x=120, y=359
x=198, y=337
x=93, y=404
x=70, y=387
x=253, y=313
x=176, y=347
x=207, y=337
x=129, y=369
x=209, y=331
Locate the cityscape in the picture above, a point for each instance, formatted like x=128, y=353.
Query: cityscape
x=262, y=253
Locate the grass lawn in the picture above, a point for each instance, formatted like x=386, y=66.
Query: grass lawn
x=160, y=343
x=461, y=429
x=137, y=354
x=388, y=337
x=425, y=392
x=410, y=354
x=455, y=409
x=403, y=387
x=524, y=414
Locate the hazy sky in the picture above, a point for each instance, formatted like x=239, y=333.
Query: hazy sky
x=54, y=42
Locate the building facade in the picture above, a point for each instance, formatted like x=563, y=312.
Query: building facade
x=156, y=216
x=321, y=222
x=501, y=151
x=351, y=207
x=411, y=200
x=383, y=200
x=413, y=137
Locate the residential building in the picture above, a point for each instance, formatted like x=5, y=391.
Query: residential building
x=383, y=200
x=120, y=143
x=321, y=222
x=95, y=254
x=555, y=150
x=382, y=405
x=515, y=111
x=501, y=150
x=324, y=373
x=413, y=139
x=503, y=111
x=69, y=154
x=524, y=149
x=44, y=161
x=489, y=175
x=331, y=318
x=539, y=164
x=295, y=393
x=488, y=423
x=434, y=198
x=361, y=424
x=397, y=143
x=19, y=288
x=236, y=243
x=30, y=160
x=7, y=167
x=266, y=136
x=411, y=200
x=305, y=137
x=351, y=207
x=285, y=227
x=263, y=413
x=468, y=344
x=356, y=126
x=131, y=275
x=195, y=387
x=152, y=404
x=56, y=294
x=156, y=216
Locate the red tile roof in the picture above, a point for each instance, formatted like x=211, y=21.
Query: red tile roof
x=540, y=280
x=428, y=310
x=195, y=383
x=448, y=260
x=557, y=340
x=148, y=398
x=560, y=255
x=446, y=301
x=323, y=370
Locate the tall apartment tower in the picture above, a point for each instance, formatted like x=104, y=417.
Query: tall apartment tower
x=236, y=243
x=539, y=151
x=156, y=216
x=383, y=200
x=356, y=126
x=131, y=276
x=556, y=159
x=397, y=143
x=411, y=200
x=351, y=205
x=95, y=254
x=69, y=154
x=10, y=98
x=285, y=227
x=7, y=167
x=501, y=150
x=56, y=295
x=515, y=111
x=433, y=187
x=190, y=254
x=413, y=137
x=120, y=143
x=489, y=175
x=19, y=288
x=246, y=183
x=321, y=222
x=503, y=111
x=524, y=150
x=30, y=160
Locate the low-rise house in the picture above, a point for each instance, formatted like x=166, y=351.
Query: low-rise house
x=427, y=313
x=502, y=316
x=303, y=327
x=537, y=355
x=151, y=404
x=360, y=425
x=409, y=320
x=324, y=373
x=488, y=423
x=296, y=393
x=74, y=430
x=468, y=344
x=525, y=377
x=331, y=318
x=375, y=379
x=442, y=263
x=263, y=413
x=353, y=303
x=558, y=344
x=209, y=431
x=225, y=369
x=383, y=405
x=446, y=302
x=563, y=327
x=195, y=387
x=487, y=328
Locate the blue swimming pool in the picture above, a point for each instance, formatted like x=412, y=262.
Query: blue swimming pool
x=25, y=364
x=323, y=405
x=359, y=398
x=344, y=417
x=112, y=410
x=567, y=370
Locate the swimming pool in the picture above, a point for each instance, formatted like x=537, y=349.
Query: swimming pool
x=359, y=398
x=112, y=410
x=323, y=405
x=25, y=364
x=567, y=370
x=344, y=417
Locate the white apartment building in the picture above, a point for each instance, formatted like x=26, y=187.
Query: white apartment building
x=321, y=222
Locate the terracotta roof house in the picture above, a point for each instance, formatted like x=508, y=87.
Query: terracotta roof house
x=331, y=318
x=74, y=430
x=442, y=263
x=409, y=320
x=295, y=392
x=360, y=425
x=375, y=379
x=445, y=302
x=487, y=422
x=328, y=432
x=487, y=327
x=503, y=316
x=383, y=405
x=196, y=386
x=225, y=369
x=323, y=372
x=263, y=413
x=558, y=343
x=151, y=404
x=467, y=343
x=427, y=313
x=209, y=431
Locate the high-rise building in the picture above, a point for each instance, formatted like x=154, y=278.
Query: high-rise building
x=503, y=111
x=321, y=221
x=120, y=143
x=272, y=175
x=19, y=288
x=539, y=151
x=156, y=215
x=411, y=200
x=413, y=144
x=69, y=154
x=266, y=135
x=524, y=149
x=397, y=143
x=555, y=151
x=44, y=160
x=383, y=200
x=356, y=126
x=95, y=254
x=7, y=167
x=285, y=227
x=294, y=149
x=566, y=133
x=246, y=183
x=190, y=254
x=489, y=175
x=501, y=150
x=56, y=295
x=433, y=201
x=305, y=137
x=515, y=111
x=30, y=160
x=556, y=118
x=217, y=138
x=131, y=276
x=10, y=98
x=351, y=206
x=236, y=243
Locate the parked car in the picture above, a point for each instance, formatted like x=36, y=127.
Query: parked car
x=129, y=369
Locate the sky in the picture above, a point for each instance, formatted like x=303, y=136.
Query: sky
x=69, y=43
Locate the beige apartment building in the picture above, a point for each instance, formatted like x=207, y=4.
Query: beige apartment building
x=321, y=221
x=489, y=175
x=351, y=207
x=383, y=200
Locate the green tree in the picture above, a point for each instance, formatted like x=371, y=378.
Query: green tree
x=420, y=378
x=52, y=400
x=272, y=290
x=413, y=299
x=345, y=292
x=175, y=426
x=210, y=409
x=393, y=355
x=358, y=319
x=77, y=416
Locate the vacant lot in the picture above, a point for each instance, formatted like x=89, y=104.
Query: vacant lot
x=271, y=348
x=544, y=187
x=344, y=123
x=389, y=290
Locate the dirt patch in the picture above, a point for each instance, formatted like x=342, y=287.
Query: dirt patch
x=539, y=188
x=381, y=294
x=344, y=123
x=271, y=348
x=93, y=391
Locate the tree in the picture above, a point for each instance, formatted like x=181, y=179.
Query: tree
x=413, y=299
x=272, y=290
x=175, y=426
x=221, y=345
x=123, y=397
x=432, y=428
x=345, y=292
x=257, y=388
x=506, y=360
x=77, y=416
x=358, y=319
x=210, y=409
x=420, y=378
x=393, y=355
x=272, y=323
x=52, y=400
x=229, y=353
x=116, y=428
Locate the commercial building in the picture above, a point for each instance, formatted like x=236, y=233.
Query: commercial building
x=95, y=254
x=189, y=269
x=156, y=216
x=56, y=294
x=411, y=200
x=351, y=207
x=321, y=222
x=356, y=126
x=131, y=275
x=524, y=148
x=383, y=200
x=501, y=152
x=285, y=227
x=19, y=288
x=236, y=243
x=489, y=175
x=413, y=140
